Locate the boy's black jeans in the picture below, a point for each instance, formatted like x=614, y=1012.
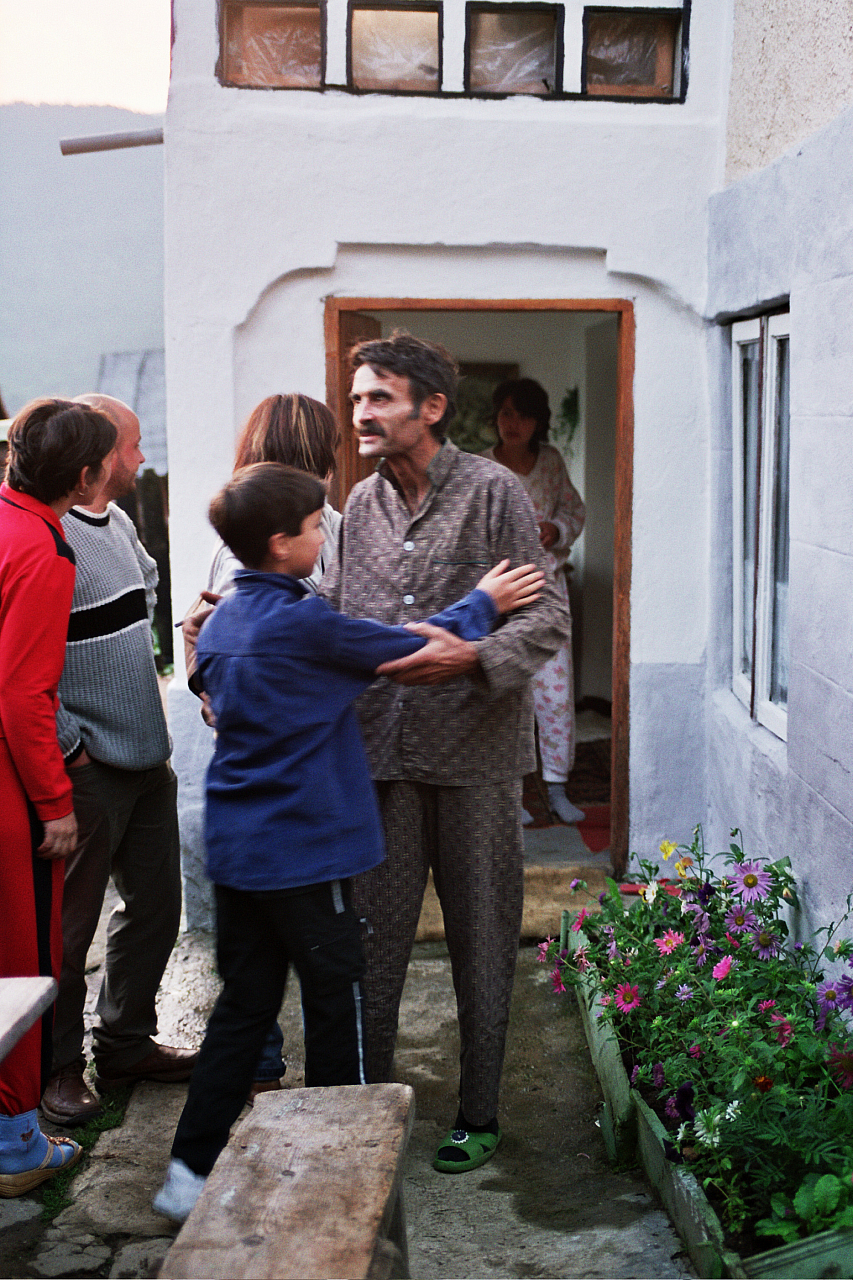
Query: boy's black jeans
x=259, y=935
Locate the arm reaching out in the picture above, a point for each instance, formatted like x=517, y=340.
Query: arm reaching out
x=512, y=588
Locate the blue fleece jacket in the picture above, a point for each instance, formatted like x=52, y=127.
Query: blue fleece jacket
x=290, y=800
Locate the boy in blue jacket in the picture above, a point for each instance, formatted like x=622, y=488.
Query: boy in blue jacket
x=291, y=812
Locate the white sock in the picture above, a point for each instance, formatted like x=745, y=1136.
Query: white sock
x=562, y=805
x=179, y=1192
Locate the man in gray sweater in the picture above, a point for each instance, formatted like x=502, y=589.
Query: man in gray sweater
x=113, y=735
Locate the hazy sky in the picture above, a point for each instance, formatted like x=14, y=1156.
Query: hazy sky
x=112, y=52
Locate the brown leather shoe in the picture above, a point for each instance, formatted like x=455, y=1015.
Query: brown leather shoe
x=261, y=1086
x=164, y=1064
x=68, y=1100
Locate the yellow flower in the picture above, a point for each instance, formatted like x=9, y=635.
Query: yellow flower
x=668, y=848
x=682, y=864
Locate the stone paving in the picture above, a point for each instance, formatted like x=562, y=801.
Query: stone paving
x=549, y=1204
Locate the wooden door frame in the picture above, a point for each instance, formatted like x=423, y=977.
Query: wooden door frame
x=336, y=393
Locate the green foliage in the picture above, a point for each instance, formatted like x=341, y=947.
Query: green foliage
x=733, y=1034
x=55, y=1196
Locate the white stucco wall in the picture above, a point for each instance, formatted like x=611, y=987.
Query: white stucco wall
x=792, y=72
x=789, y=231
x=275, y=200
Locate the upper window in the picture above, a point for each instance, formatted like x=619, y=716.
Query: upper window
x=514, y=48
x=499, y=48
x=631, y=53
x=761, y=414
x=272, y=46
x=395, y=49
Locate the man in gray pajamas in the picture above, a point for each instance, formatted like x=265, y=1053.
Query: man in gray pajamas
x=450, y=737
x=112, y=732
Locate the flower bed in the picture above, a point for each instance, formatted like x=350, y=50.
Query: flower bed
x=739, y=1045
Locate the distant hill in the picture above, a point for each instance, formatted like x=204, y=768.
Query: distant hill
x=81, y=249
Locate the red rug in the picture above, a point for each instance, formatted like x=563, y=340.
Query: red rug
x=595, y=828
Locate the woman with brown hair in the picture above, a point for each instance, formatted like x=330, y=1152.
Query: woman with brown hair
x=59, y=455
x=298, y=432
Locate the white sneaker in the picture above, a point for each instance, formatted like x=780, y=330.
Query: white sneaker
x=179, y=1192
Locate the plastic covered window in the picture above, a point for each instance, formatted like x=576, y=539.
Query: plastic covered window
x=272, y=46
x=395, y=49
x=513, y=49
x=631, y=54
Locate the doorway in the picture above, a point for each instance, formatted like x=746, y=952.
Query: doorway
x=580, y=345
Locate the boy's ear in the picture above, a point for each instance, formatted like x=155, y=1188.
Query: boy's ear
x=278, y=546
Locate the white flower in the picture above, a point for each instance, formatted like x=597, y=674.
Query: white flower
x=706, y=1125
x=732, y=1109
x=682, y=1131
x=650, y=892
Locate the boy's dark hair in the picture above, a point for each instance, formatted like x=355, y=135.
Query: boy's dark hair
x=429, y=368
x=51, y=442
x=530, y=399
x=259, y=501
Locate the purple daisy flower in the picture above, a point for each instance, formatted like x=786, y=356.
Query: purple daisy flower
x=845, y=991
x=658, y=1076
x=751, y=881
x=684, y=992
x=765, y=944
x=740, y=920
x=635, y=1075
x=828, y=999
x=700, y=953
x=671, y=1108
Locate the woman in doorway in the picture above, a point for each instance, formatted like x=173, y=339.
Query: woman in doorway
x=59, y=455
x=522, y=417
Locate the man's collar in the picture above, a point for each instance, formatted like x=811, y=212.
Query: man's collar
x=438, y=467
x=87, y=517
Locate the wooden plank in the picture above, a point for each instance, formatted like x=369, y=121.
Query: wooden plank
x=22, y=1000
x=624, y=500
x=306, y=1188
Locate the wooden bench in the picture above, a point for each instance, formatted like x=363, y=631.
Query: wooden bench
x=22, y=1000
x=308, y=1188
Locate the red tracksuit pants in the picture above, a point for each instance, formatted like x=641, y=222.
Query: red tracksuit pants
x=30, y=934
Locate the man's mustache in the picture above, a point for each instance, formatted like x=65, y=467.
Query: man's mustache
x=372, y=431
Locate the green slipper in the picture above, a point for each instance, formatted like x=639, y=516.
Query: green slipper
x=462, y=1151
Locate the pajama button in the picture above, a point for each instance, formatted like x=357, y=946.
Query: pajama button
x=408, y=599
x=408, y=546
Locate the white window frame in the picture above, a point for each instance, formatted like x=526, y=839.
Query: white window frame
x=753, y=690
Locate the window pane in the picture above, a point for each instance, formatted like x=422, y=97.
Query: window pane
x=395, y=49
x=750, y=400
x=512, y=52
x=781, y=536
x=631, y=54
x=273, y=46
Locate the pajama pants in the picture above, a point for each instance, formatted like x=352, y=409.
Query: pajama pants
x=472, y=839
x=553, y=688
x=30, y=936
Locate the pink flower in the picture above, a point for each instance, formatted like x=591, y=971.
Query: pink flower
x=605, y=1000
x=582, y=959
x=722, y=967
x=669, y=942
x=784, y=1030
x=582, y=915
x=765, y=1005
x=543, y=951
x=557, y=979
x=695, y=1051
x=627, y=997
x=841, y=1064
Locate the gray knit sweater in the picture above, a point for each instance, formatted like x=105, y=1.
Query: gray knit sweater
x=110, y=699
